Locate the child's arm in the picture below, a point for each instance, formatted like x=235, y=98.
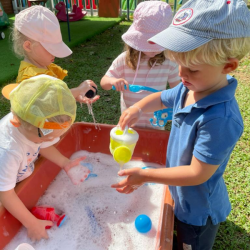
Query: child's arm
x=80, y=91
x=149, y=103
x=52, y=154
x=194, y=174
x=35, y=227
x=119, y=83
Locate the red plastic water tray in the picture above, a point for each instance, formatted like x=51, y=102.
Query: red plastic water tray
x=151, y=147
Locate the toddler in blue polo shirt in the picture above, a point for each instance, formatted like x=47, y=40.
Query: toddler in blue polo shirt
x=207, y=38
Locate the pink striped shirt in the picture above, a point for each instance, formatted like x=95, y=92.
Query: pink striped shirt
x=156, y=77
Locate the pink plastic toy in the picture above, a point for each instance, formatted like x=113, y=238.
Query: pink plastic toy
x=75, y=15
x=48, y=213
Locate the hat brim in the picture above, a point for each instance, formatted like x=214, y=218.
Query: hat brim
x=59, y=50
x=7, y=89
x=138, y=41
x=178, y=41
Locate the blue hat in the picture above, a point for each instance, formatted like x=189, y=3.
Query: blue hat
x=200, y=21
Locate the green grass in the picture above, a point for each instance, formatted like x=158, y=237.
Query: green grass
x=235, y=232
x=80, y=31
x=91, y=60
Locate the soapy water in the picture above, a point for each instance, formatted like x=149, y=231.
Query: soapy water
x=93, y=116
x=121, y=165
x=99, y=217
x=90, y=110
x=78, y=174
x=81, y=172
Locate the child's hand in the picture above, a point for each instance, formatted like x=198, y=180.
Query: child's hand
x=131, y=183
x=37, y=230
x=82, y=89
x=119, y=84
x=76, y=172
x=129, y=117
x=84, y=99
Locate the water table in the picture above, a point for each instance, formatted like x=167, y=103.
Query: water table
x=151, y=147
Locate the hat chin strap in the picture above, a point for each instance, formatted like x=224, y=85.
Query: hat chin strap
x=138, y=64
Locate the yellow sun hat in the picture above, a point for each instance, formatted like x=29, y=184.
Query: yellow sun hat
x=39, y=98
x=7, y=89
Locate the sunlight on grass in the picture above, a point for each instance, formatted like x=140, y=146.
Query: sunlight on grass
x=235, y=232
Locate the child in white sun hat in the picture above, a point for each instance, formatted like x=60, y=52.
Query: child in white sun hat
x=37, y=37
x=42, y=110
x=143, y=63
x=207, y=38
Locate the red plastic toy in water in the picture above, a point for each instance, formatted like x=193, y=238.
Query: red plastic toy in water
x=48, y=213
x=75, y=15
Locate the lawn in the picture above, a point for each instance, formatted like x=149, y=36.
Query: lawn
x=91, y=60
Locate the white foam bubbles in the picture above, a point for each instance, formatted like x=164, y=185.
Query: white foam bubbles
x=99, y=218
x=78, y=174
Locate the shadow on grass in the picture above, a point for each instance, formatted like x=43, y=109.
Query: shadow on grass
x=231, y=237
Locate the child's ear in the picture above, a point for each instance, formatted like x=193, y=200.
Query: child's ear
x=231, y=65
x=15, y=122
x=27, y=45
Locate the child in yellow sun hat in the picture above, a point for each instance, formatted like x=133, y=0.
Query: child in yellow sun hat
x=42, y=109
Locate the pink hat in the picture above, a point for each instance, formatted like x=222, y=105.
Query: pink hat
x=150, y=18
x=41, y=25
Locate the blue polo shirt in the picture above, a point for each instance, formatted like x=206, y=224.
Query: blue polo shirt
x=209, y=130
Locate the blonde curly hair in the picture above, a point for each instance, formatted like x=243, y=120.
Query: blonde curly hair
x=216, y=52
x=18, y=40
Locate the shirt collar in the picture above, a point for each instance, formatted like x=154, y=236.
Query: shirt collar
x=222, y=95
x=24, y=65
